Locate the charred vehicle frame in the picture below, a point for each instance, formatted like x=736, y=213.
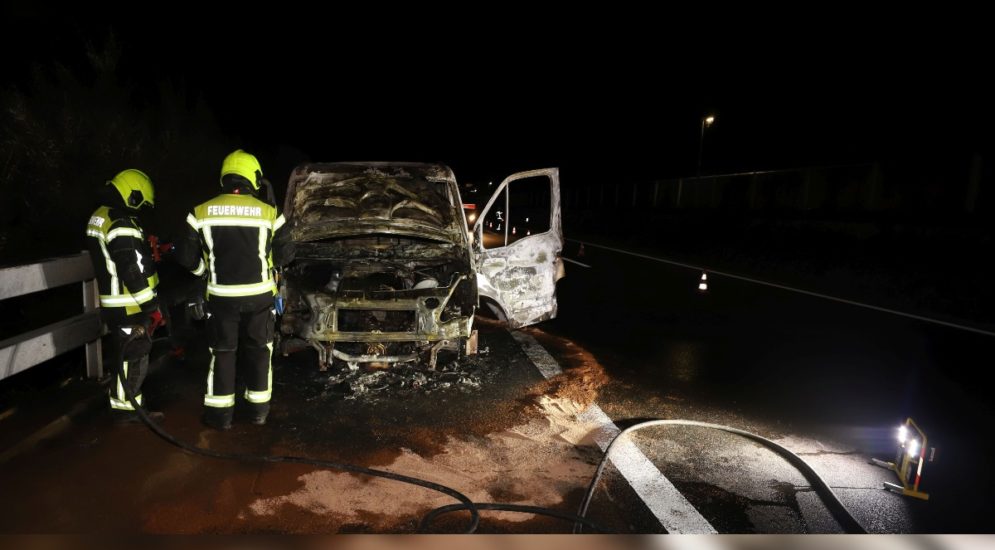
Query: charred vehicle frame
x=387, y=272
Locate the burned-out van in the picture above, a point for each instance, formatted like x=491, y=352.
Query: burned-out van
x=387, y=271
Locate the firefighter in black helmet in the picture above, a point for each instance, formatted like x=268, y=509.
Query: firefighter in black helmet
x=127, y=280
x=230, y=241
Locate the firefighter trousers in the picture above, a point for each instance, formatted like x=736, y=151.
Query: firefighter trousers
x=239, y=329
x=133, y=365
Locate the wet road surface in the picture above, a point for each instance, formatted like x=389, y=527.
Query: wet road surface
x=633, y=337
x=828, y=380
x=487, y=436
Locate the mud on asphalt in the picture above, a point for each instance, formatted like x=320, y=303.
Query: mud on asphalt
x=487, y=425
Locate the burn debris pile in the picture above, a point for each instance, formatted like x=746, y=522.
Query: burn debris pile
x=370, y=384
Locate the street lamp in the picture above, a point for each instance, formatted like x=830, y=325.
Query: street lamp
x=705, y=122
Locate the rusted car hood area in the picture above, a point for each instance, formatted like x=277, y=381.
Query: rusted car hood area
x=379, y=298
x=400, y=250
x=347, y=199
x=366, y=270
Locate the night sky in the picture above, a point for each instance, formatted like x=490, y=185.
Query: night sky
x=611, y=94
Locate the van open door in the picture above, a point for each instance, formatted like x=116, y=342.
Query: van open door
x=518, y=238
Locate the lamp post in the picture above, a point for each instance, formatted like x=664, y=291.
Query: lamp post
x=705, y=122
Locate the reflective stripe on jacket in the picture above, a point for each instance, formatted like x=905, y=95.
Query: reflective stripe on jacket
x=122, y=261
x=235, y=233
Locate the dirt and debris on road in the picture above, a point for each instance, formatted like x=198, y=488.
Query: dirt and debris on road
x=499, y=434
x=398, y=381
x=523, y=464
x=583, y=376
x=489, y=426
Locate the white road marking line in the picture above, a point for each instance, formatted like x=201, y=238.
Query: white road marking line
x=576, y=262
x=666, y=503
x=792, y=289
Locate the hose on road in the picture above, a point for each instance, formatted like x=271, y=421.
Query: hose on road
x=836, y=507
x=139, y=332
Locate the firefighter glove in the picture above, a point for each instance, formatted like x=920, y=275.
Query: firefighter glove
x=155, y=320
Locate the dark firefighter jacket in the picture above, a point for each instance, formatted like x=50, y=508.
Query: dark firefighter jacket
x=122, y=261
x=230, y=240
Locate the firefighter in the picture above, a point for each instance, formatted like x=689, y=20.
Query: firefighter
x=127, y=280
x=230, y=241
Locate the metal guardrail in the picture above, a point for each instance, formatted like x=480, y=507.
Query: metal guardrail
x=26, y=350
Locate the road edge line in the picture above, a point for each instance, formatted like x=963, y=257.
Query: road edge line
x=661, y=497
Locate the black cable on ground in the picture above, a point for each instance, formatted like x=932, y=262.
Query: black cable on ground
x=468, y=505
x=836, y=507
x=520, y=508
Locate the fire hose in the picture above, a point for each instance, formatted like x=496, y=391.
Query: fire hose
x=139, y=332
x=836, y=507
x=833, y=503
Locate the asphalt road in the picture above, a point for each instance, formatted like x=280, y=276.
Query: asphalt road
x=634, y=339
x=829, y=380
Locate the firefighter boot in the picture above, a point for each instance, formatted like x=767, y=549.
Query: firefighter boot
x=218, y=418
x=258, y=413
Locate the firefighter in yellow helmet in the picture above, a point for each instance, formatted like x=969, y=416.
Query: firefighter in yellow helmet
x=127, y=279
x=230, y=241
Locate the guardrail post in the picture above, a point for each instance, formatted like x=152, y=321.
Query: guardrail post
x=94, y=351
x=28, y=349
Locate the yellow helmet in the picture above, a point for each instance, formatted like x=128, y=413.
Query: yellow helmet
x=243, y=164
x=135, y=188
